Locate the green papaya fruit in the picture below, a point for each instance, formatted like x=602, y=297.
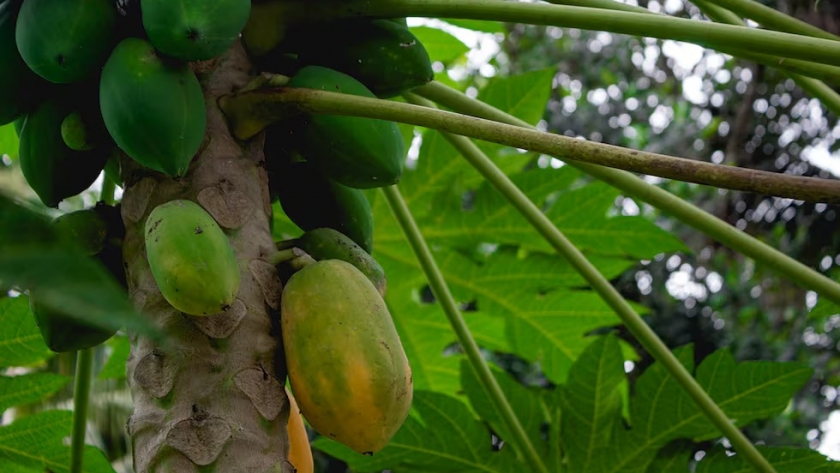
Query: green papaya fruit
x=153, y=109
x=358, y=152
x=381, y=54
x=328, y=243
x=84, y=226
x=17, y=81
x=84, y=131
x=312, y=201
x=65, y=41
x=99, y=231
x=191, y=258
x=194, y=30
x=63, y=333
x=53, y=170
x=266, y=26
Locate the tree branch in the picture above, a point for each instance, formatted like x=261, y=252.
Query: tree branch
x=245, y=109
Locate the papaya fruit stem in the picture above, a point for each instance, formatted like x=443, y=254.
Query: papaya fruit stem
x=249, y=112
x=106, y=194
x=278, y=80
x=284, y=244
x=297, y=258
x=81, y=394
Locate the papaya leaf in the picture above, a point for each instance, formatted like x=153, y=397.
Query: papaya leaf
x=523, y=96
x=783, y=459
x=528, y=403
x=439, y=165
x=672, y=458
x=440, y=45
x=37, y=441
x=824, y=309
x=581, y=214
x=114, y=367
x=36, y=257
x=26, y=388
x=21, y=343
x=9, y=467
x=514, y=315
x=444, y=437
x=484, y=26
x=591, y=401
x=8, y=141
x=662, y=411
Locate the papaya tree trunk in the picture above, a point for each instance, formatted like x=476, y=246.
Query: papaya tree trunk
x=211, y=394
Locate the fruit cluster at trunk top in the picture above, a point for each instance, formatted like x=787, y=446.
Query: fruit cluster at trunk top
x=85, y=81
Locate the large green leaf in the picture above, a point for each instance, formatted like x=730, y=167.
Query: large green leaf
x=444, y=437
x=8, y=141
x=21, y=343
x=529, y=405
x=582, y=214
x=783, y=459
x=440, y=168
x=591, y=401
x=672, y=458
x=26, y=388
x=35, y=257
x=440, y=45
x=662, y=411
x=477, y=25
x=37, y=441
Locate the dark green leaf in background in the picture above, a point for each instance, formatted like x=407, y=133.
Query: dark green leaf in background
x=528, y=404
x=114, y=367
x=784, y=459
x=444, y=437
x=440, y=45
x=591, y=401
x=21, y=343
x=37, y=441
x=26, y=388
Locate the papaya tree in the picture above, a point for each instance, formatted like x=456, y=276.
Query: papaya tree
x=270, y=229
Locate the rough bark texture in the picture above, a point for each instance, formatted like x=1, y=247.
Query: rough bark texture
x=210, y=396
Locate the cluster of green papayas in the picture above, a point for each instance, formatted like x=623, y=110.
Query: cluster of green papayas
x=87, y=80
x=99, y=232
x=84, y=78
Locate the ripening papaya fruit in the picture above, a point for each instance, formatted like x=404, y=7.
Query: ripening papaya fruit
x=153, y=109
x=312, y=201
x=346, y=364
x=53, y=170
x=358, y=152
x=65, y=41
x=327, y=243
x=191, y=258
x=17, y=81
x=300, y=453
x=194, y=30
x=381, y=54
